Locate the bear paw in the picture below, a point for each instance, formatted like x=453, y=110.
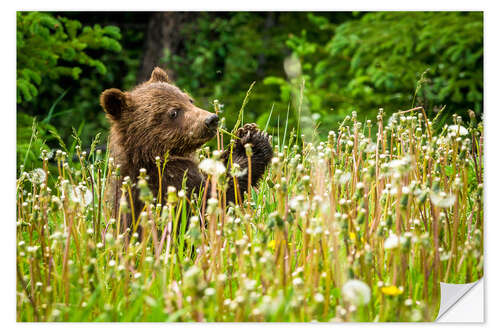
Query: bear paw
x=250, y=133
x=259, y=140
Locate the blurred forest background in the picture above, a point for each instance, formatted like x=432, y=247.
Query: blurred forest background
x=325, y=63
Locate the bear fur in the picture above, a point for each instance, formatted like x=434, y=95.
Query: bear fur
x=156, y=117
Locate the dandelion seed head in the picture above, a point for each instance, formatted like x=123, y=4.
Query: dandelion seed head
x=250, y=284
x=392, y=241
x=454, y=129
x=209, y=292
x=109, y=237
x=442, y=199
x=81, y=195
x=344, y=178
x=356, y=292
x=32, y=249
x=212, y=167
x=319, y=298
x=38, y=176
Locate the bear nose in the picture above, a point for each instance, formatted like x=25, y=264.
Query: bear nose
x=212, y=121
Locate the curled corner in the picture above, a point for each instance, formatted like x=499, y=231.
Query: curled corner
x=451, y=293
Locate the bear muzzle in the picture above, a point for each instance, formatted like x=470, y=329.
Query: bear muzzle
x=212, y=122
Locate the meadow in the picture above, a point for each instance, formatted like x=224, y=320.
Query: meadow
x=360, y=227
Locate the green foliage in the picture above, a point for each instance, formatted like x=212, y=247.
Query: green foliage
x=225, y=52
x=53, y=47
x=81, y=103
x=61, y=101
x=389, y=51
x=380, y=59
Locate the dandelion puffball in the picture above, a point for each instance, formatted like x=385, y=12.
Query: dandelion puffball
x=212, y=167
x=38, y=176
x=81, y=195
x=457, y=129
x=391, y=242
x=442, y=199
x=356, y=292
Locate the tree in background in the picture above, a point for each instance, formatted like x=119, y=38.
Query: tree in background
x=163, y=35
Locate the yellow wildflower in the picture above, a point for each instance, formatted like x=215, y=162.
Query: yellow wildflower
x=391, y=290
x=272, y=244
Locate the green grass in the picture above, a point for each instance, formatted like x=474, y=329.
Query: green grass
x=350, y=229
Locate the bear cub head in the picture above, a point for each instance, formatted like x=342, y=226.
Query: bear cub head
x=156, y=117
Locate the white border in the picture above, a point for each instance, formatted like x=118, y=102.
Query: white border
x=492, y=155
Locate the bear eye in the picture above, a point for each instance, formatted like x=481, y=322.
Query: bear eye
x=173, y=114
x=191, y=101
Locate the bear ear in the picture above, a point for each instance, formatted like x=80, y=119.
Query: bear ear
x=158, y=75
x=113, y=101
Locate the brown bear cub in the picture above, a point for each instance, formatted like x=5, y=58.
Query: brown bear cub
x=156, y=117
